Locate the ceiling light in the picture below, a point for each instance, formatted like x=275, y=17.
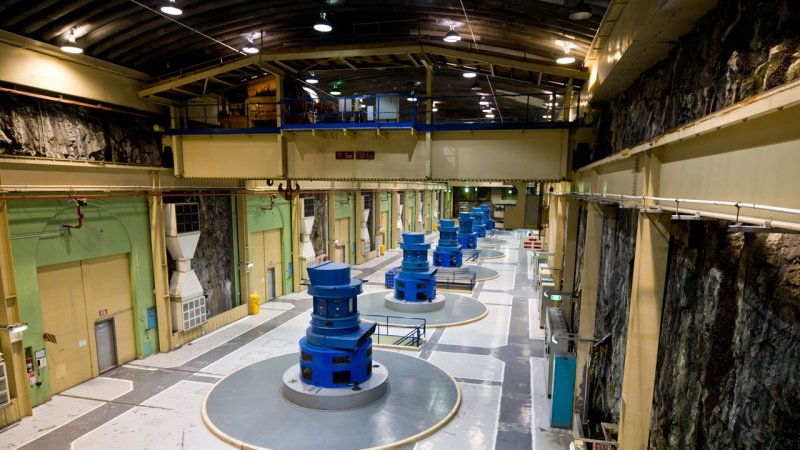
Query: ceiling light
x=469, y=74
x=490, y=116
x=434, y=109
x=488, y=110
x=71, y=46
x=171, y=8
x=484, y=102
x=476, y=86
x=311, y=78
x=581, y=11
x=412, y=97
x=566, y=60
x=322, y=24
x=452, y=35
x=250, y=47
x=336, y=91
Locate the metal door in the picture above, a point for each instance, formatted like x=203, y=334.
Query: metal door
x=106, y=345
x=270, y=283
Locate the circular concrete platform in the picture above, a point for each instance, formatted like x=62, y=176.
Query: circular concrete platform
x=493, y=242
x=247, y=409
x=314, y=397
x=483, y=253
x=481, y=273
x=502, y=233
x=458, y=309
x=434, y=304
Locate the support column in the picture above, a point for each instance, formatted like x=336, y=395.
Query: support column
x=332, y=225
x=555, y=237
x=407, y=212
x=394, y=214
x=644, y=326
x=590, y=280
x=296, y=211
x=644, y=317
x=244, y=247
x=13, y=352
x=359, y=202
x=158, y=248
x=570, y=208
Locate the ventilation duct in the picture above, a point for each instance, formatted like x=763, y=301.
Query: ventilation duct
x=182, y=230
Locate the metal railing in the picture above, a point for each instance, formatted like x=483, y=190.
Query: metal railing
x=382, y=111
x=458, y=279
x=402, y=331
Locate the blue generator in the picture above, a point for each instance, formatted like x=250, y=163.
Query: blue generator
x=466, y=236
x=487, y=217
x=448, y=252
x=337, y=349
x=478, y=226
x=416, y=281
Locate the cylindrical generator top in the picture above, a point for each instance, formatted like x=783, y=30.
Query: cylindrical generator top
x=335, y=310
x=447, y=233
x=415, y=252
x=465, y=222
x=477, y=215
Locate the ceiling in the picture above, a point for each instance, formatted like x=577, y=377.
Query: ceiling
x=386, y=45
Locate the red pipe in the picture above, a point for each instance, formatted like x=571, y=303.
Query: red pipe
x=80, y=216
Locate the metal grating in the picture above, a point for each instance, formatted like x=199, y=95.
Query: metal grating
x=187, y=217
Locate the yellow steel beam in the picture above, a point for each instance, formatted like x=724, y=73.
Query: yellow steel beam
x=504, y=61
x=197, y=76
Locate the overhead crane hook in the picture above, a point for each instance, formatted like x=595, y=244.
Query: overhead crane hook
x=289, y=193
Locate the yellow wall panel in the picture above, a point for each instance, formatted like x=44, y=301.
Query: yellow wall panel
x=230, y=156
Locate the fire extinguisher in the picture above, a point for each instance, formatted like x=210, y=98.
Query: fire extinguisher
x=31, y=372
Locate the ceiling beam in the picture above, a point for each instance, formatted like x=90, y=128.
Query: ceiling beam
x=504, y=61
x=196, y=76
x=348, y=64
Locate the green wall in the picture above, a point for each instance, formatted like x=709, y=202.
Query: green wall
x=263, y=215
x=110, y=227
x=346, y=207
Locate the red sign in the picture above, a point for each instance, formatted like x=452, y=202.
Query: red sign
x=103, y=312
x=365, y=155
x=344, y=155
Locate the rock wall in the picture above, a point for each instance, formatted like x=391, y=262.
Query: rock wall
x=739, y=49
x=32, y=126
x=729, y=352
x=580, y=248
x=213, y=260
x=613, y=301
x=319, y=230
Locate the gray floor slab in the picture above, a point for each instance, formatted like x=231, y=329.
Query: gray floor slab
x=457, y=309
x=248, y=406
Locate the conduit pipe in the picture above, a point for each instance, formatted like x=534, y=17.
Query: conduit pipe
x=639, y=202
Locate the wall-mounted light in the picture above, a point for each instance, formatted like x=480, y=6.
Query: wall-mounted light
x=171, y=8
x=70, y=44
x=248, y=265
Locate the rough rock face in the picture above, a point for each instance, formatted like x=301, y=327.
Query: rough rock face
x=318, y=232
x=580, y=247
x=729, y=352
x=36, y=127
x=739, y=49
x=213, y=260
x=613, y=301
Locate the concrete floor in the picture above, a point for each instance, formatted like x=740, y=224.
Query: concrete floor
x=154, y=403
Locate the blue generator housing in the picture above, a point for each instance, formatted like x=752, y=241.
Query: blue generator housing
x=487, y=217
x=337, y=349
x=448, y=252
x=416, y=281
x=466, y=236
x=478, y=226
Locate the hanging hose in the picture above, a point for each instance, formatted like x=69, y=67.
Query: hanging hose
x=78, y=204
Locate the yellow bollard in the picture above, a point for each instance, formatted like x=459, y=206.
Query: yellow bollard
x=383, y=249
x=255, y=304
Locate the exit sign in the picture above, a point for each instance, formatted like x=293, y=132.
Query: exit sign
x=555, y=297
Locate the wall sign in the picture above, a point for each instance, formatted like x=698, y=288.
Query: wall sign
x=365, y=155
x=103, y=312
x=345, y=155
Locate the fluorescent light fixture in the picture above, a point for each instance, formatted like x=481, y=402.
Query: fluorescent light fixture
x=322, y=25
x=452, y=35
x=565, y=60
x=71, y=46
x=469, y=74
x=171, y=8
x=311, y=78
